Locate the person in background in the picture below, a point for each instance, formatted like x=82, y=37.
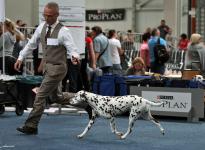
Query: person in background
x=144, y=50
x=137, y=67
x=154, y=66
x=87, y=62
x=148, y=31
x=128, y=47
x=90, y=54
x=9, y=36
x=116, y=51
x=1, y=29
x=130, y=36
x=57, y=43
x=18, y=46
x=163, y=28
x=183, y=42
x=170, y=40
x=20, y=23
x=195, y=55
x=21, y=26
x=102, y=53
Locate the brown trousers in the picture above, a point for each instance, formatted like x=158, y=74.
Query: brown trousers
x=49, y=87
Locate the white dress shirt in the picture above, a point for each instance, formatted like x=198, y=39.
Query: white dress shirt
x=64, y=38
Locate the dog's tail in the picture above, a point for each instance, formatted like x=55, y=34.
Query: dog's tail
x=153, y=103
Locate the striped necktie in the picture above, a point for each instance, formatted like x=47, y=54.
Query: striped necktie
x=48, y=34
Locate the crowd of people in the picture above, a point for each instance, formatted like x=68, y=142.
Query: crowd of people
x=103, y=50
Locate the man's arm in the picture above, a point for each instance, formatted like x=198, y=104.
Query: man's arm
x=31, y=45
x=66, y=39
x=96, y=48
x=91, y=55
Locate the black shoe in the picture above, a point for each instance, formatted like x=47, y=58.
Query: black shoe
x=27, y=130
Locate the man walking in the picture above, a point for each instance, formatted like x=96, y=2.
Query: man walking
x=57, y=43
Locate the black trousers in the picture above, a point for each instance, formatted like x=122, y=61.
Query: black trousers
x=73, y=75
x=77, y=76
x=9, y=66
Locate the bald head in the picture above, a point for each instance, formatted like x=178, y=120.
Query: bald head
x=53, y=6
x=51, y=12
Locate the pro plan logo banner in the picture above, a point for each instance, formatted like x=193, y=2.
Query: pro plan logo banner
x=172, y=101
x=105, y=15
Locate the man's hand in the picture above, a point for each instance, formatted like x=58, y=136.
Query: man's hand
x=75, y=58
x=17, y=65
x=75, y=61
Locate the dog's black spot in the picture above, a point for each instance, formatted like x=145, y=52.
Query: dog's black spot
x=123, y=107
x=101, y=108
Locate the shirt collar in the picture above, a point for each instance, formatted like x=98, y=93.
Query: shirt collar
x=54, y=25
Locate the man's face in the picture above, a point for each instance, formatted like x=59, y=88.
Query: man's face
x=50, y=15
x=163, y=23
x=93, y=33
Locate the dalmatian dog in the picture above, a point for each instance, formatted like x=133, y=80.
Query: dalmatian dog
x=111, y=106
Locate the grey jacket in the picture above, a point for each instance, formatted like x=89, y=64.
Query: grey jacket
x=9, y=41
x=195, y=57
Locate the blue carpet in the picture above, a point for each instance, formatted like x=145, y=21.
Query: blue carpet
x=58, y=132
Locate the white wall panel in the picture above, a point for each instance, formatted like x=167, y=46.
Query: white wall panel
x=149, y=15
x=148, y=19
x=27, y=10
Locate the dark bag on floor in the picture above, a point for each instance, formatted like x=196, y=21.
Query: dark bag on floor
x=109, y=85
x=120, y=86
x=104, y=85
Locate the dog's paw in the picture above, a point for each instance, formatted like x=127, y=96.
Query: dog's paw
x=163, y=132
x=79, y=136
x=122, y=137
x=119, y=134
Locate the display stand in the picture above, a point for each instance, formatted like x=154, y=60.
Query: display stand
x=179, y=102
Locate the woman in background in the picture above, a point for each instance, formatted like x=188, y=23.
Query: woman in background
x=137, y=68
x=7, y=41
x=144, y=50
x=195, y=55
x=183, y=42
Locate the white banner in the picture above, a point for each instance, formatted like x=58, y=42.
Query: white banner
x=72, y=15
x=172, y=101
x=2, y=10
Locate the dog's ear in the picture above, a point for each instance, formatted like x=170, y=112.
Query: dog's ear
x=82, y=94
